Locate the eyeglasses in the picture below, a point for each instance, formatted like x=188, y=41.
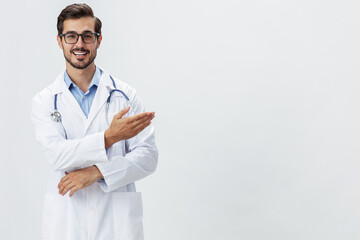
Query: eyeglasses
x=87, y=37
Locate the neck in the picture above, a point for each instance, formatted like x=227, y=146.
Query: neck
x=81, y=77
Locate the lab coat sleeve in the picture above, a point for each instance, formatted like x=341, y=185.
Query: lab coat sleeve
x=65, y=154
x=140, y=160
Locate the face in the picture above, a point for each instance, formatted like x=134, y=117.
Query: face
x=79, y=55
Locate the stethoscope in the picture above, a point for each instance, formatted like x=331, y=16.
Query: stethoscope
x=56, y=116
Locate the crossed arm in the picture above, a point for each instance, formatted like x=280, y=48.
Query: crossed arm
x=120, y=129
x=117, y=171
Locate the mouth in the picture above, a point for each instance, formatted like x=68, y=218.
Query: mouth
x=80, y=53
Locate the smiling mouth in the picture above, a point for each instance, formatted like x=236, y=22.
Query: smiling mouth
x=80, y=52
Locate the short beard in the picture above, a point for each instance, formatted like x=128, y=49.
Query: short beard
x=80, y=66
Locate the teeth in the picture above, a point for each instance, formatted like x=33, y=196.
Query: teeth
x=79, y=53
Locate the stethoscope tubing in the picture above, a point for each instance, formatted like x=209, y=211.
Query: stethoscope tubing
x=56, y=116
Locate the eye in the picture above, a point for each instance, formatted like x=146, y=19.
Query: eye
x=88, y=36
x=71, y=36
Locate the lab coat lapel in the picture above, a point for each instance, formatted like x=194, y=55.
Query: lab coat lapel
x=102, y=93
x=66, y=99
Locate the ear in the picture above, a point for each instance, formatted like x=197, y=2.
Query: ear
x=99, y=41
x=59, y=41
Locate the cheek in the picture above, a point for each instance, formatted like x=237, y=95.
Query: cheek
x=67, y=50
x=65, y=47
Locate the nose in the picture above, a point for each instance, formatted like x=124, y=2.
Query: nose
x=79, y=43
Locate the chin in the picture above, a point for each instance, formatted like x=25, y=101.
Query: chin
x=79, y=63
x=82, y=65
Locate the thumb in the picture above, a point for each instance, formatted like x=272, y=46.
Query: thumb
x=122, y=112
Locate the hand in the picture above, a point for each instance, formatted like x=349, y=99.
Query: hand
x=128, y=127
x=78, y=179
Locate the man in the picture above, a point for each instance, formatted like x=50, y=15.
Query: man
x=97, y=139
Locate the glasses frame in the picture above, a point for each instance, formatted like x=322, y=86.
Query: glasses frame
x=78, y=35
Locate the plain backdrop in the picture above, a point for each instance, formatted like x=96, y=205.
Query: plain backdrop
x=257, y=113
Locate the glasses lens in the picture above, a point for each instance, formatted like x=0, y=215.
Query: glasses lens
x=89, y=37
x=71, y=38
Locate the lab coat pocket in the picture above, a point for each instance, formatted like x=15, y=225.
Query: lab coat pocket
x=127, y=215
x=58, y=216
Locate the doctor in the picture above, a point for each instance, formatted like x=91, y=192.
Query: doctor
x=97, y=139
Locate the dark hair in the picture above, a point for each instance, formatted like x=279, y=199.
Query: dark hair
x=75, y=11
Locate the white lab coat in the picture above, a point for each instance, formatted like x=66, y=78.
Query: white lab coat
x=109, y=209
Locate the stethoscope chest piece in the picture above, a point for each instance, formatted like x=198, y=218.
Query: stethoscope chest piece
x=56, y=116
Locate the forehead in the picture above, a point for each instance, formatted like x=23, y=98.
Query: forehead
x=79, y=25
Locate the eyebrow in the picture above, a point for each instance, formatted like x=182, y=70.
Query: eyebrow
x=86, y=31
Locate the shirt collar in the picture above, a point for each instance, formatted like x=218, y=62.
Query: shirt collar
x=94, y=81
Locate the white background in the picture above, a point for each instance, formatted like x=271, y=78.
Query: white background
x=256, y=113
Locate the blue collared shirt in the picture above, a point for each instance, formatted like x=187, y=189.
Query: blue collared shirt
x=84, y=99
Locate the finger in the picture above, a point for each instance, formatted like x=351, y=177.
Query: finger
x=73, y=190
x=140, y=116
x=63, y=179
x=142, y=120
x=141, y=127
x=122, y=112
x=63, y=185
x=67, y=188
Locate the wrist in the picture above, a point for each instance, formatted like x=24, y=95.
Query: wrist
x=107, y=139
x=98, y=174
